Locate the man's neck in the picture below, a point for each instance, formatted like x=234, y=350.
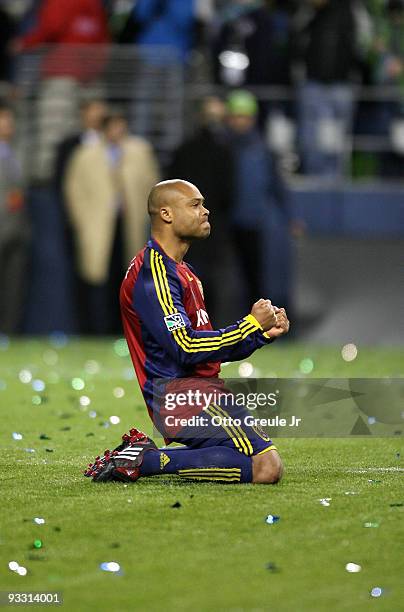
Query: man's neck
x=172, y=246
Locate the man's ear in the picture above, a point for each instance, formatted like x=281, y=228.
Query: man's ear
x=166, y=215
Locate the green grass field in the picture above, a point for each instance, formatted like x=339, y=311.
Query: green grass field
x=213, y=552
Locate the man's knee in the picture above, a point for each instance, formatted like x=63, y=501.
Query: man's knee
x=267, y=468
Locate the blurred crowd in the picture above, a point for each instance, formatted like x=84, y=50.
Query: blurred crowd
x=288, y=73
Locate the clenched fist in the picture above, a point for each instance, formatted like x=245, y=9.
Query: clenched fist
x=282, y=324
x=265, y=314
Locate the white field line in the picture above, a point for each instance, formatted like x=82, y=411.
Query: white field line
x=374, y=469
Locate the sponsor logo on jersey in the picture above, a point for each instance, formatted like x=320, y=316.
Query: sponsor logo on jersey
x=174, y=321
x=164, y=459
x=202, y=317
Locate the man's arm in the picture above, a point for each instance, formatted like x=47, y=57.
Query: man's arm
x=158, y=301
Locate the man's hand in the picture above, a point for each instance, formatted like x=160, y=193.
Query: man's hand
x=282, y=324
x=265, y=314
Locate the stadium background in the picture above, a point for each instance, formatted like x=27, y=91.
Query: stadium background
x=346, y=250
x=328, y=78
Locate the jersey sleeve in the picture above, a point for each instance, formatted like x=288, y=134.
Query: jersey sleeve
x=158, y=301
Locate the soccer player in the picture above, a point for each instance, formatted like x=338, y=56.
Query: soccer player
x=170, y=338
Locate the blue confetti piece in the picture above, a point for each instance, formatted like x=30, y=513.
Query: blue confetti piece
x=272, y=518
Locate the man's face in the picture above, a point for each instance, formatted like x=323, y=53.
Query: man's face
x=116, y=130
x=189, y=215
x=7, y=125
x=241, y=124
x=93, y=115
x=213, y=111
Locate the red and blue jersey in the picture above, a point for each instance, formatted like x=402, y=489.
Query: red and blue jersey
x=167, y=328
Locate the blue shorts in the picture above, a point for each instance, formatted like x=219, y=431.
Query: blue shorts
x=218, y=426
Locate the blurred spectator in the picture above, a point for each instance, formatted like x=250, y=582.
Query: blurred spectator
x=262, y=36
x=7, y=32
x=156, y=23
x=65, y=22
x=67, y=72
x=330, y=52
x=14, y=231
x=227, y=10
x=259, y=191
x=106, y=188
x=92, y=115
x=206, y=160
x=164, y=34
x=389, y=71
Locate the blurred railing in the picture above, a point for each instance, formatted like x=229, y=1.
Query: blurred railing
x=148, y=85
x=159, y=98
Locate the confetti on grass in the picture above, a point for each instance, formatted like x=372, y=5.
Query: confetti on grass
x=18, y=569
x=353, y=568
x=110, y=566
x=271, y=519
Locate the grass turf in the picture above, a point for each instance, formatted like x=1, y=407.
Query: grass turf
x=213, y=552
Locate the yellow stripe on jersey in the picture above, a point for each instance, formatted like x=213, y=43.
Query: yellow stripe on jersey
x=216, y=471
x=156, y=282
x=210, y=469
x=239, y=437
x=193, y=345
x=188, y=344
x=223, y=474
x=217, y=477
x=272, y=447
x=245, y=441
x=168, y=302
x=229, y=430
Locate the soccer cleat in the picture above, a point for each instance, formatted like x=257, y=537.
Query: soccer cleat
x=123, y=463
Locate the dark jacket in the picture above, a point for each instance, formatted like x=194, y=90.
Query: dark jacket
x=63, y=154
x=330, y=49
x=206, y=161
x=259, y=183
x=264, y=35
x=7, y=31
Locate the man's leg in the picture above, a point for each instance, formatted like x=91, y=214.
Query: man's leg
x=224, y=441
x=212, y=463
x=228, y=452
x=267, y=468
x=216, y=463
